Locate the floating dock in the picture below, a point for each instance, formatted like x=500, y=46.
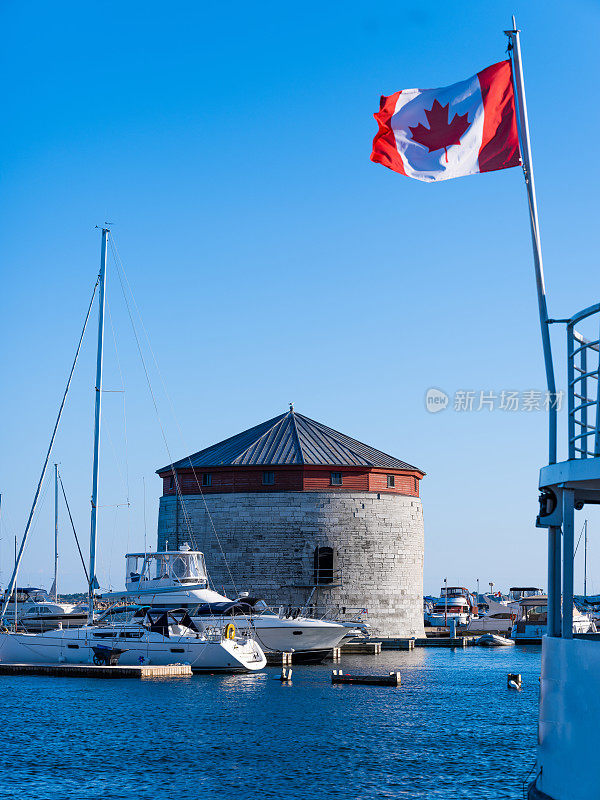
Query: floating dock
x=92, y=671
x=409, y=644
x=391, y=679
x=361, y=648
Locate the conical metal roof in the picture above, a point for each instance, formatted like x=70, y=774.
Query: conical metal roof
x=291, y=438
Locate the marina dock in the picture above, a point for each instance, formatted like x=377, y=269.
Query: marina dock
x=409, y=644
x=93, y=671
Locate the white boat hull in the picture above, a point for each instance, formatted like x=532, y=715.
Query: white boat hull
x=75, y=646
x=493, y=640
x=489, y=625
x=277, y=634
x=441, y=620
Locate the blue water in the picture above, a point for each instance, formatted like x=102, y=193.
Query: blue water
x=452, y=731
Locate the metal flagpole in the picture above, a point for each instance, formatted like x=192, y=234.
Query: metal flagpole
x=554, y=540
x=523, y=126
x=99, y=362
x=56, y=531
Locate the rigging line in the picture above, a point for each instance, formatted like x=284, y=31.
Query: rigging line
x=579, y=540
x=148, y=381
x=119, y=470
x=41, y=502
x=198, y=483
x=179, y=494
x=73, y=526
x=48, y=454
x=112, y=327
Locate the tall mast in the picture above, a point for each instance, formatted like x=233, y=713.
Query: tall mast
x=93, y=583
x=56, y=531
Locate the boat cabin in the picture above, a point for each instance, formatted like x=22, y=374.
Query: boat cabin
x=533, y=610
x=165, y=569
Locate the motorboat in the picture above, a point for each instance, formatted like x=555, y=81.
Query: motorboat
x=138, y=636
x=23, y=598
x=35, y=610
x=455, y=604
x=493, y=640
x=532, y=618
x=49, y=615
x=498, y=618
x=168, y=579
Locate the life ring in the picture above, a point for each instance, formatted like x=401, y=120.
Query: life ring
x=230, y=631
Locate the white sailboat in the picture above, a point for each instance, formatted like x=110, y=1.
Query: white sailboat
x=134, y=636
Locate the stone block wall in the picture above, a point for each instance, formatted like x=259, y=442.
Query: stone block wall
x=265, y=544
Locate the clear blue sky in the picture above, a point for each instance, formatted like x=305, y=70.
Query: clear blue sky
x=272, y=261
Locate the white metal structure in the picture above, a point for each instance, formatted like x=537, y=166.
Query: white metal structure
x=569, y=715
x=178, y=579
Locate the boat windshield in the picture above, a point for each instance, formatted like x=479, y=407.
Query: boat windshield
x=453, y=591
x=119, y=615
x=242, y=607
x=29, y=594
x=535, y=615
x=170, y=567
x=519, y=592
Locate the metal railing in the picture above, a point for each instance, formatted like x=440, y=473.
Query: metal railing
x=583, y=365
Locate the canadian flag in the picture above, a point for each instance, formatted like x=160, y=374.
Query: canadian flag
x=435, y=134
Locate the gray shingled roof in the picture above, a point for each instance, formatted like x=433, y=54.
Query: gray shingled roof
x=291, y=438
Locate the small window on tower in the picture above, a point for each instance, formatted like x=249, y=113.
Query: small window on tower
x=171, y=482
x=206, y=479
x=268, y=478
x=336, y=478
x=391, y=481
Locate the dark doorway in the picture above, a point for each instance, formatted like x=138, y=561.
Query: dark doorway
x=323, y=565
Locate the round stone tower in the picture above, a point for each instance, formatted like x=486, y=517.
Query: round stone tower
x=303, y=516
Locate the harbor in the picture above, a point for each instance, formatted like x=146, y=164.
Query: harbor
x=299, y=487
x=382, y=741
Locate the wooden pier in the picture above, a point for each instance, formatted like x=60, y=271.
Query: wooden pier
x=92, y=671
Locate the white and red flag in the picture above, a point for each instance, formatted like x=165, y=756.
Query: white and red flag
x=435, y=134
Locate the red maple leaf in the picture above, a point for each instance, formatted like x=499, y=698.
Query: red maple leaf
x=440, y=133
